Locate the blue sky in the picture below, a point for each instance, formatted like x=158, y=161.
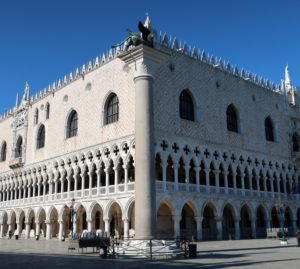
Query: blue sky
x=41, y=41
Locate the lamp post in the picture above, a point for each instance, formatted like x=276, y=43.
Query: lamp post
x=73, y=213
x=280, y=208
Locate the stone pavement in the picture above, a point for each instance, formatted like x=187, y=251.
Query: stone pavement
x=252, y=254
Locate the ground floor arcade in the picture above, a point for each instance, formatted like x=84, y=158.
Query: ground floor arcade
x=201, y=219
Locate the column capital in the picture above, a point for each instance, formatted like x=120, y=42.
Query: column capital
x=126, y=219
x=218, y=219
x=176, y=218
x=198, y=219
x=143, y=60
x=236, y=220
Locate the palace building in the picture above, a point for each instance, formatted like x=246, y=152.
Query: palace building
x=153, y=141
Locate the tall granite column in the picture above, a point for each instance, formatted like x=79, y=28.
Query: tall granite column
x=143, y=60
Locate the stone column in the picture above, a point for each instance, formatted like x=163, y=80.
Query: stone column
x=90, y=225
x=37, y=228
x=219, y=221
x=18, y=227
x=176, y=220
x=237, y=229
x=9, y=226
x=234, y=181
x=144, y=60
x=1, y=230
x=187, y=177
x=62, y=183
x=126, y=228
x=116, y=178
x=29, y=191
x=90, y=182
x=69, y=186
x=39, y=189
x=268, y=223
x=125, y=177
x=197, y=171
x=175, y=167
x=20, y=192
x=55, y=188
x=250, y=184
x=217, y=178
x=106, y=179
x=225, y=173
x=144, y=151
x=48, y=229
x=207, y=179
x=61, y=229
x=98, y=171
x=265, y=186
x=243, y=183
x=107, y=226
x=164, y=174
x=253, y=228
x=272, y=187
x=82, y=174
x=27, y=230
x=199, y=227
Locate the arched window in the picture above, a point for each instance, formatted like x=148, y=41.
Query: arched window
x=3, y=152
x=269, y=129
x=36, y=116
x=19, y=146
x=186, y=106
x=232, y=119
x=112, y=109
x=40, y=141
x=296, y=145
x=47, y=111
x=72, y=126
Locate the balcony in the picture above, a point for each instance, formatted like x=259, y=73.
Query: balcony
x=223, y=191
x=16, y=163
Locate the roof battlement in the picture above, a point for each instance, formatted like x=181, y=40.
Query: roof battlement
x=161, y=41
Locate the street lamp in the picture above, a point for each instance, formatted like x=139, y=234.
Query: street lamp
x=280, y=208
x=73, y=213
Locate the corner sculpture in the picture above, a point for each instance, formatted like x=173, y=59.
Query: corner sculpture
x=144, y=37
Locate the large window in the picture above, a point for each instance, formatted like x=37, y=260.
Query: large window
x=40, y=141
x=47, y=112
x=3, y=152
x=232, y=119
x=186, y=106
x=269, y=129
x=19, y=148
x=72, y=126
x=296, y=144
x=36, y=116
x=112, y=109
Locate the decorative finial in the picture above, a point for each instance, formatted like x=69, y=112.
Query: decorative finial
x=17, y=100
x=288, y=82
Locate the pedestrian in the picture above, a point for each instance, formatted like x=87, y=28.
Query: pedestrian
x=9, y=234
x=16, y=234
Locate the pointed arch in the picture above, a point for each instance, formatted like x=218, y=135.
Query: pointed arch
x=40, y=138
x=47, y=111
x=3, y=151
x=36, y=116
x=111, y=109
x=186, y=105
x=232, y=119
x=269, y=129
x=72, y=124
x=19, y=147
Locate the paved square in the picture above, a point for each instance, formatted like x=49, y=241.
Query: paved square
x=261, y=253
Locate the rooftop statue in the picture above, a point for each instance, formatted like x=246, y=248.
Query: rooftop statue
x=144, y=37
